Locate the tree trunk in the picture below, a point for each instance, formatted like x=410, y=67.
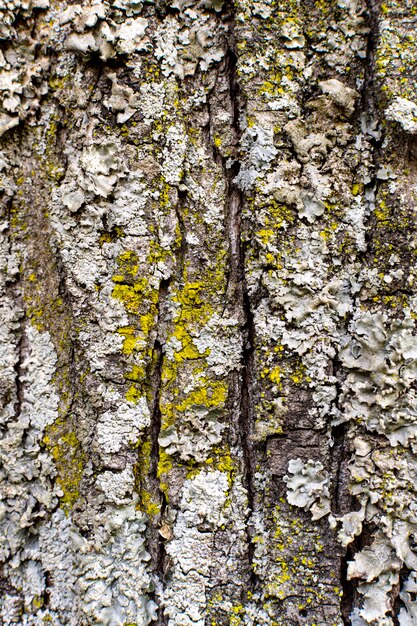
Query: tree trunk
x=209, y=348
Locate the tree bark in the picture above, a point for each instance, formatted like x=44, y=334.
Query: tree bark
x=209, y=350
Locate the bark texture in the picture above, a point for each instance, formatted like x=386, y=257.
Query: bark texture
x=208, y=366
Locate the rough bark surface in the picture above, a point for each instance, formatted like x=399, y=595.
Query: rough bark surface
x=208, y=365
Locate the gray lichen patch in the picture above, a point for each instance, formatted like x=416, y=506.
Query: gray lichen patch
x=308, y=487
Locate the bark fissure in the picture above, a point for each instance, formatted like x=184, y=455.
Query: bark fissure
x=155, y=429
x=369, y=111
x=237, y=301
x=246, y=422
x=239, y=292
x=397, y=602
x=351, y=597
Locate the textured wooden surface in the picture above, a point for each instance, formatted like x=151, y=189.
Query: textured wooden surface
x=208, y=313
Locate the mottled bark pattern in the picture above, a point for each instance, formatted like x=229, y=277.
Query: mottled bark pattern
x=208, y=313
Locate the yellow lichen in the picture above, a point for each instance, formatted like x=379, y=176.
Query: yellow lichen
x=69, y=459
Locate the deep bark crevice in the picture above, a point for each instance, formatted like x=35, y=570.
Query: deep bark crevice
x=237, y=301
x=341, y=500
x=397, y=603
x=340, y=454
x=154, y=434
x=246, y=422
x=155, y=429
x=368, y=91
x=369, y=110
x=351, y=598
x=238, y=277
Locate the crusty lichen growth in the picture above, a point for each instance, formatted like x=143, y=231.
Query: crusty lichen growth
x=207, y=272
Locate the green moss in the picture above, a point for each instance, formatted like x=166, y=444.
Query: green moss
x=164, y=463
x=59, y=82
x=109, y=236
x=147, y=320
x=226, y=464
x=135, y=374
x=140, y=300
x=150, y=507
x=130, y=339
x=147, y=500
x=130, y=298
x=69, y=458
x=133, y=394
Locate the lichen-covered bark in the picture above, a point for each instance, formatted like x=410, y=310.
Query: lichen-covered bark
x=208, y=313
